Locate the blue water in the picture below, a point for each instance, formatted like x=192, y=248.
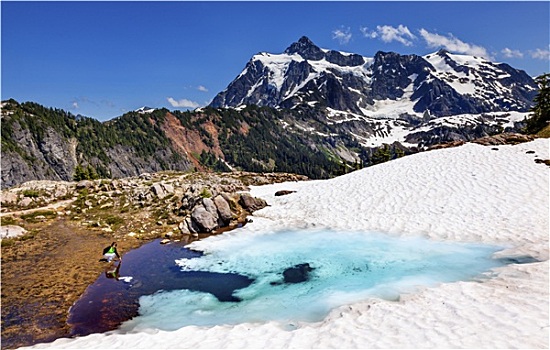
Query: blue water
x=345, y=267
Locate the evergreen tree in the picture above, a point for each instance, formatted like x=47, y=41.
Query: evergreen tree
x=80, y=173
x=541, y=111
x=381, y=155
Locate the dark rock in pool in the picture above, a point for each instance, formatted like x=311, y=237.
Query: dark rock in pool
x=524, y=259
x=297, y=274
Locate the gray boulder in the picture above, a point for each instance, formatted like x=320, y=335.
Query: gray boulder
x=184, y=228
x=205, y=221
x=193, y=228
x=224, y=210
x=9, y=198
x=210, y=207
x=162, y=190
x=84, y=184
x=251, y=203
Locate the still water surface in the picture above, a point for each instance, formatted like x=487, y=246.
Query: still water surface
x=288, y=277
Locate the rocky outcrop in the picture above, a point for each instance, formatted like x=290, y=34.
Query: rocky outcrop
x=145, y=206
x=251, y=203
x=51, y=158
x=504, y=139
x=494, y=140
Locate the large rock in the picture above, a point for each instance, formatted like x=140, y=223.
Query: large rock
x=9, y=198
x=205, y=221
x=25, y=202
x=11, y=231
x=184, y=228
x=224, y=210
x=192, y=226
x=251, y=203
x=210, y=207
x=162, y=190
x=84, y=184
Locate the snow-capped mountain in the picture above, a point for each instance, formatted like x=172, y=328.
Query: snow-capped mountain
x=144, y=110
x=414, y=100
x=440, y=84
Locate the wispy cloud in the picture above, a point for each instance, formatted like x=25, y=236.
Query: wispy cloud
x=82, y=101
x=368, y=33
x=202, y=88
x=509, y=53
x=453, y=44
x=343, y=35
x=183, y=103
x=541, y=54
x=388, y=34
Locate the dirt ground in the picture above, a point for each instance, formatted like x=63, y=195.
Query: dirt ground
x=42, y=277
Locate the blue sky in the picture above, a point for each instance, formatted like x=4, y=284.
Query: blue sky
x=101, y=59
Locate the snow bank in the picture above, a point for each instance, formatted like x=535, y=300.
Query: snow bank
x=472, y=193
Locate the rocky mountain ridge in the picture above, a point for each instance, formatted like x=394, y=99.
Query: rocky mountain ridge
x=41, y=143
x=310, y=111
x=416, y=101
x=438, y=84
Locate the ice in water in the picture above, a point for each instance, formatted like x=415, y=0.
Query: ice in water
x=345, y=267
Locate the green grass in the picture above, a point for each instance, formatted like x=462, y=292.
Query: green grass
x=31, y=217
x=7, y=220
x=31, y=193
x=114, y=220
x=205, y=193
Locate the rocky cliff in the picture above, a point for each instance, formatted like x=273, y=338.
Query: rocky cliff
x=40, y=143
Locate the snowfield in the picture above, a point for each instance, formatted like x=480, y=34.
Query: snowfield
x=472, y=193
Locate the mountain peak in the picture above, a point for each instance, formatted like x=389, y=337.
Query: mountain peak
x=443, y=53
x=305, y=48
x=145, y=109
x=441, y=84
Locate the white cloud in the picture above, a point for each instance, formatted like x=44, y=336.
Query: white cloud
x=367, y=33
x=202, y=88
x=453, y=44
x=342, y=35
x=541, y=54
x=400, y=34
x=75, y=105
x=388, y=34
x=509, y=53
x=183, y=103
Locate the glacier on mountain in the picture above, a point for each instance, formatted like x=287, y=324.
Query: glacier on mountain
x=388, y=97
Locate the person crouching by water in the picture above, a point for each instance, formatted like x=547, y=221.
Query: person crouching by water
x=110, y=252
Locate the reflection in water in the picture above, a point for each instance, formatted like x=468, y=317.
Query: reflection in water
x=113, y=298
x=113, y=270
